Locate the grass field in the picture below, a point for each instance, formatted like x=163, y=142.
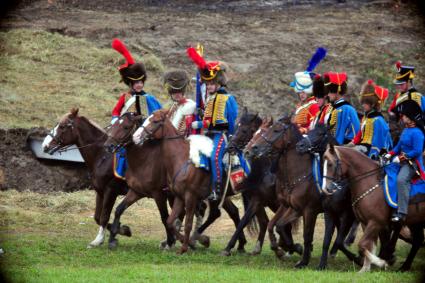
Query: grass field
x=45, y=237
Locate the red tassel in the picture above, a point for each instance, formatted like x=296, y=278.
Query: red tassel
x=120, y=47
x=196, y=58
x=370, y=82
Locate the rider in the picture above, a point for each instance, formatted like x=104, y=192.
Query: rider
x=408, y=152
x=308, y=107
x=134, y=75
x=374, y=134
x=322, y=101
x=134, y=100
x=220, y=114
x=343, y=121
x=182, y=111
x=404, y=85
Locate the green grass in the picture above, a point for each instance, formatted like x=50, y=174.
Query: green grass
x=45, y=239
x=46, y=74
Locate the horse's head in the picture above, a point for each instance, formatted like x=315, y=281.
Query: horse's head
x=153, y=127
x=275, y=139
x=63, y=133
x=265, y=125
x=334, y=170
x=316, y=140
x=121, y=132
x=247, y=126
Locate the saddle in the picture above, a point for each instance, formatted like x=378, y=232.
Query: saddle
x=417, y=186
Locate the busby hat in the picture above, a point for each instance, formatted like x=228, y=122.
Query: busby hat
x=303, y=81
x=335, y=83
x=176, y=81
x=318, y=86
x=405, y=73
x=373, y=94
x=412, y=110
x=213, y=70
x=130, y=71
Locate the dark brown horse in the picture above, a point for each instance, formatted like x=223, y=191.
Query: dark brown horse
x=145, y=173
x=368, y=202
x=89, y=138
x=170, y=149
x=258, y=187
x=294, y=185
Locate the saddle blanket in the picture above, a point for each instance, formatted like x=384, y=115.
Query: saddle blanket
x=317, y=171
x=119, y=165
x=390, y=185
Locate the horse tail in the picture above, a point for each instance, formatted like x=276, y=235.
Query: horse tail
x=253, y=223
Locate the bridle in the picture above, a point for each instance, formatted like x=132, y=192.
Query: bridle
x=279, y=134
x=159, y=124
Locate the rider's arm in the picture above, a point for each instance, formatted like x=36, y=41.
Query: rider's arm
x=417, y=143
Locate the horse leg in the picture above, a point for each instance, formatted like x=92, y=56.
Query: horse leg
x=100, y=237
x=329, y=231
x=263, y=220
x=366, y=246
x=212, y=216
x=249, y=213
x=129, y=199
x=178, y=206
x=353, y=233
x=284, y=229
x=161, y=203
x=190, y=205
x=309, y=223
x=346, y=222
x=417, y=240
x=270, y=228
x=233, y=212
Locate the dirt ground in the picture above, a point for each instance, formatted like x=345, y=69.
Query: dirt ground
x=263, y=43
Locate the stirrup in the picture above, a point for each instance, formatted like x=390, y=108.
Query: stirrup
x=213, y=196
x=398, y=217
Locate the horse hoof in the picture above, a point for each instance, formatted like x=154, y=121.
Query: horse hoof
x=225, y=253
x=241, y=251
x=255, y=252
x=332, y=255
x=299, y=249
x=321, y=267
x=403, y=269
x=162, y=245
x=280, y=253
x=113, y=244
x=125, y=231
x=181, y=251
x=300, y=265
x=205, y=241
x=391, y=260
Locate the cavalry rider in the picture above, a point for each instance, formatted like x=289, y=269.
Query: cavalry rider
x=134, y=100
x=220, y=114
x=133, y=75
x=343, y=121
x=308, y=107
x=374, y=134
x=408, y=152
x=322, y=101
x=182, y=111
x=405, y=89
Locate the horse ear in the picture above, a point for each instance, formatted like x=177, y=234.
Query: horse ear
x=244, y=111
x=74, y=112
x=271, y=120
x=331, y=148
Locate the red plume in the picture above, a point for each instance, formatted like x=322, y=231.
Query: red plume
x=196, y=58
x=120, y=47
x=370, y=82
x=398, y=65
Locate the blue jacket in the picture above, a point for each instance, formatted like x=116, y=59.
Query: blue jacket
x=344, y=122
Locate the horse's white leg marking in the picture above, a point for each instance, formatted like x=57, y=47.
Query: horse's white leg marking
x=99, y=238
x=325, y=172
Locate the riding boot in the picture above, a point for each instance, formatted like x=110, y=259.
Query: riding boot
x=215, y=194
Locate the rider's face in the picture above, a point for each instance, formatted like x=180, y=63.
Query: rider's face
x=211, y=87
x=366, y=107
x=302, y=95
x=137, y=86
x=332, y=97
x=178, y=96
x=402, y=87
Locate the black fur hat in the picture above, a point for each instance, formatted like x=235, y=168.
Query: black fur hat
x=176, y=81
x=130, y=71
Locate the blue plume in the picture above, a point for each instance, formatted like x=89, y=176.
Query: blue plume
x=316, y=58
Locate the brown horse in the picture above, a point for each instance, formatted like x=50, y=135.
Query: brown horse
x=258, y=187
x=294, y=185
x=145, y=174
x=364, y=175
x=171, y=174
x=89, y=138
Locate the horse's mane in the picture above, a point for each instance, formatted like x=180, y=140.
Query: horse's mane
x=249, y=117
x=363, y=157
x=286, y=119
x=91, y=122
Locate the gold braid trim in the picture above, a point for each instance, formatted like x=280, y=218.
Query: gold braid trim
x=410, y=73
x=219, y=108
x=416, y=96
x=136, y=79
x=367, y=133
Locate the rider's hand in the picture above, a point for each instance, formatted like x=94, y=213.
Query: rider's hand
x=396, y=159
x=114, y=119
x=402, y=157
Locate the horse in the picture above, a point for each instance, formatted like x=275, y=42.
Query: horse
x=168, y=140
x=295, y=188
x=365, y=178
x=337, y=210
x=259, y=186
x=89, y=138
x=145, y=174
